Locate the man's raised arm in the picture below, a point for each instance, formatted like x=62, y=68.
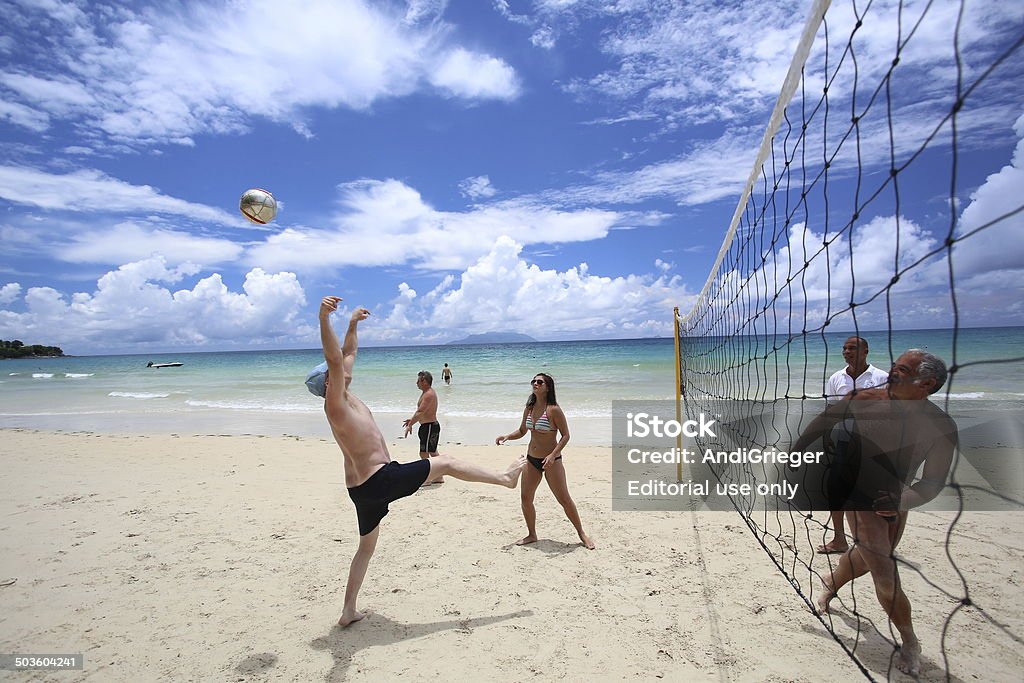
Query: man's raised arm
x=351, y=345
x=328, y=339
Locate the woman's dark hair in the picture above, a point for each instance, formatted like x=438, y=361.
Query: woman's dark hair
x=549, y=382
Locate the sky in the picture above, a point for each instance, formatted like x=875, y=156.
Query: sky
x=565, y=169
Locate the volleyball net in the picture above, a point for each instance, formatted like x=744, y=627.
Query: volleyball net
x=862, y=218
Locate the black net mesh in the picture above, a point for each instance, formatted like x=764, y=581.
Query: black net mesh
x=856, y=225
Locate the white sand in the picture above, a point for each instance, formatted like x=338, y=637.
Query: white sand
x=213, y=558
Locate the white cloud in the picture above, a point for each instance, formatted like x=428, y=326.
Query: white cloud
x=477, y=187
x=387, y=223
x=127, y=242
x=9, y=293
x=709, y=172
x=470, y=75
x=59, y=96
x=88, y=191
x=171, y=72
x=689, y=63
x=543, y=37
x=424, y=10
x=988, y=259
x=26, y=117
x=134, y=306
x=908, y=288
x=1000, y=246
x=502, y=291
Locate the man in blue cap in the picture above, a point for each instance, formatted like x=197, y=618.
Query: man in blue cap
x=372, y=478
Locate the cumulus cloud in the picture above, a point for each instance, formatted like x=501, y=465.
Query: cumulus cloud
x=136, y=306
x=9, y=293
x=814, y=276
x=387, y=222
x=889, y=270
x=994, y=243
x=893, y=269
x=503, y=291
x=475, y=76
x=988, y=259
x=169, y=72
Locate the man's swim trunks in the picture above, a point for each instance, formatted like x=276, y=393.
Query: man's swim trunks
x=538, y=462
x=429, y=434
x=391, y=482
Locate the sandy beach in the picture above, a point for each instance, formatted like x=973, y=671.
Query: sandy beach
x=223, y=558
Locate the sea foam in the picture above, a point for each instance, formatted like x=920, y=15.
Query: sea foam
x=136, y=394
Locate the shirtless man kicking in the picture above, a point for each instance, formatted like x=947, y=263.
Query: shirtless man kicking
x=893, y=441
x=372, y=478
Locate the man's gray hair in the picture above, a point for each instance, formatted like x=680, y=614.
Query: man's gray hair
x=931, y=366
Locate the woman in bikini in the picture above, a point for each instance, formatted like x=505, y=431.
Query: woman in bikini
x=544, y=419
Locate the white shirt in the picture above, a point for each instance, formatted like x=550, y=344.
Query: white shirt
x=840, y=384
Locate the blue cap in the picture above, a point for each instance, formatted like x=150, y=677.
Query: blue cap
x=316, y=380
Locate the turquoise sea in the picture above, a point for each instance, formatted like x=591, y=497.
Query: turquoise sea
x=261, y=392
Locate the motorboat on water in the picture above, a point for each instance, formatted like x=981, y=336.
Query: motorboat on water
x=151, y=364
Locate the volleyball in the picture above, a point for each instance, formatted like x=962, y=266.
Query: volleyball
x=258, y=205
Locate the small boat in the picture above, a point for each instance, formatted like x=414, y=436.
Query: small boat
x=151, y=364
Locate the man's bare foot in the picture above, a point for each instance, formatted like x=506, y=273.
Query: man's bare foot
x=587, y=543
x=834, y=547
x=825, y=598
x=511, y=476
x=352, y=617
x=527, y=540
x=909, y=659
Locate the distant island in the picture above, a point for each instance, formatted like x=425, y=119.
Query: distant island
x=17, y=349
x=494, y=338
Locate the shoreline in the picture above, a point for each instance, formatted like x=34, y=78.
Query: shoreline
x=455, y=430
x=224, y=558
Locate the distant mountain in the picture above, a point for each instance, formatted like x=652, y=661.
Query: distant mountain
x=494, y=338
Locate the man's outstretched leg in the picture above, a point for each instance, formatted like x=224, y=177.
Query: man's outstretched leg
x=460, y=469
x=356, y=573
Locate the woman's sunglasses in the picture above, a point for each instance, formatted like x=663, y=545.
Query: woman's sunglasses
x=537, y=382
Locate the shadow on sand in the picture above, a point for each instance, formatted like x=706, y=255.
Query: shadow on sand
x=548, y=547
x=876, y=651
x=379, y=630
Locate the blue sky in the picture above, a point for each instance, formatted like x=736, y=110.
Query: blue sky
x=561, y=168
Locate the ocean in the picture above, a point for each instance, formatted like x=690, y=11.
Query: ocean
x=262, y=392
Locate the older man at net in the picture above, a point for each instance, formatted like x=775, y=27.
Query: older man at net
x=892, y=432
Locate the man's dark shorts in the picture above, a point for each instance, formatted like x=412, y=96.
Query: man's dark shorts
x=429, y=434
x=391, y=482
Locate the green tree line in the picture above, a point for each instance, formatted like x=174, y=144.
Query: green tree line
x=17, y=349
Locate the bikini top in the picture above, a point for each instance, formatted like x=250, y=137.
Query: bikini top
x=542, y=425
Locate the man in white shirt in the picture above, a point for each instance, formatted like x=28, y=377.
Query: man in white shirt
x=857, y=375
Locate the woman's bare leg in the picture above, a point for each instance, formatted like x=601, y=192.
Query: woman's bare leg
x=555, y=474
x=531, y=480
